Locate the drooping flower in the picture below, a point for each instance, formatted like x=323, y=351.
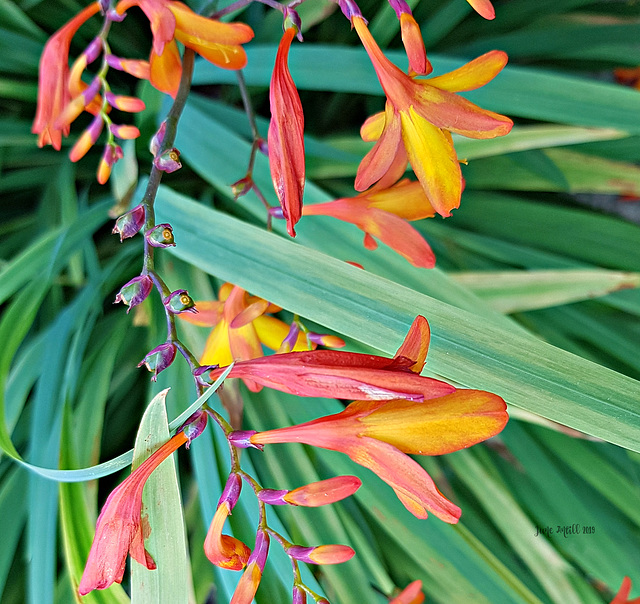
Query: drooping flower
x=171, y=21
x=348, y=375
x=286, y=136
x=53, y=91
x=384, y=214
x=411, y=594
x=120, y=530
x=226, y=551
x=420, y=115
x=248, y=584
x=622, y=597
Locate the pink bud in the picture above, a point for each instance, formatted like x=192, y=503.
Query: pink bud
x=130, y=223
x=324, y=491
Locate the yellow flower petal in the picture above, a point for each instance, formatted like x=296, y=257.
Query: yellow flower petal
x=474, y=74
x=372, y=128
x=437, y=426
x=434, y=161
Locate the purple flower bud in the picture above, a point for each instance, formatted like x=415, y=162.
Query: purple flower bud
x=194, y=426
x=135, y=291
x=350, y=9
x=130, y=223
x=290, y=340
x=242, y=439
x=112, y=15
x=158, y=138
x=299, y=595
x=168, y=161
x=202, y=374
x=277, y=212
x=263, y=146
x=91, y=90
x=273, y=496
x=292, y=19
x=160, y=235
x=92, y=52
x=322, y=554
x=105, y=5
x=231, y=491
x=159, y=359
x=400, y=6
x=179, y=301
x=260, y=550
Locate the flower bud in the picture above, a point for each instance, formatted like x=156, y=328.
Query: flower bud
x=194, y=426
x=277, y=212
x=159, y=359
x=179, y=301
x=135, y=291
x=292, y=19
x=350, y=9
x=130, y=104
x=202, y=374
x=168, y=161
x=411, y=594
x=324, y=491
x=241, y=187
x=231, y=491
x=299, y=595
x=158, y=138
x=290, y=340
x=124, y=131
x=130, y=223
x=272, y=496
x=242, y=439
x=160, y=235
x=112, y=153
x=323, y=554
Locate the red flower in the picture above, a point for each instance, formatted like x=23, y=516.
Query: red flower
x=120, y=529
x=286, y=136
x=349, y=375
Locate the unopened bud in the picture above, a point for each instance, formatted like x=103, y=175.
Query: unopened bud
x=290, y=340
x=260, y=550
x=168, y=161
x=241, y=187
x=179, y=301
x=158, y=138
x=350, y=9
x=326, y=340
x=130, y=223
x=160, y=235
x=159, y=359
x=202, y=374
x=272, y=496
x=231, y=491
x=299, y=595
x=112, y=153
x=194, y=426
x=276, y=212
x=324, y=492
x=242, y=439
x=132, y=104
x=135, y=291
x=323, y=554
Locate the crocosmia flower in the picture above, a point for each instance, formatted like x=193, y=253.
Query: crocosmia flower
x=420, y=115
x=120, y=529
x=53, y=91
x=349, y=375
x=384, y=214
x=378, y=434
x=286, y=136
x=219, y=43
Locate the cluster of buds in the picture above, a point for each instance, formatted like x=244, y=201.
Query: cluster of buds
x=228, y=552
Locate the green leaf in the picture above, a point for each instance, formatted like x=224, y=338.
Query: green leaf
x=514, y=291
x=466, y=349
x=162, y=505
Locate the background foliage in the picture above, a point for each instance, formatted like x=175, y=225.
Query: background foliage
x=534, y=298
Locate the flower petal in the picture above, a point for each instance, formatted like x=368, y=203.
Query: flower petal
x=209, y=313
x=413, y=486
x=439, y=426
x=416, y=344
x=434, y=161
x=484, y=8
x=372, y=128
x=378, y=161
x=472, y=75
x=165, y=69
